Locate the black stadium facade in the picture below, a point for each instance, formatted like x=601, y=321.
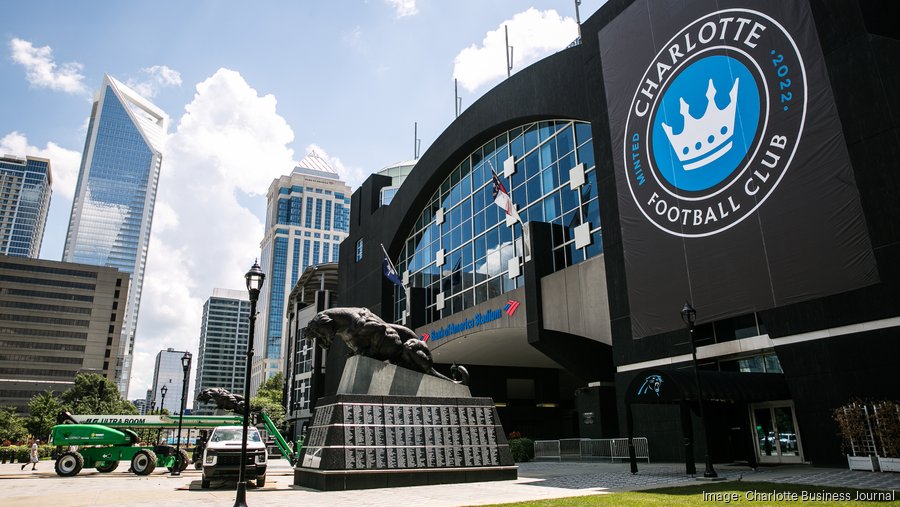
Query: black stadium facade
x=738, y=155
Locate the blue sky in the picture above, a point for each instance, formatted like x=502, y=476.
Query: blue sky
x=249, y=88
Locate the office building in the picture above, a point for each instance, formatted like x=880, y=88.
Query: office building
x=24, y=202
x=114, y=198
x=56, y=319
x=222, y=360
x=168, y=373
x=306, y=219
x=739, y=157
x=315, y=291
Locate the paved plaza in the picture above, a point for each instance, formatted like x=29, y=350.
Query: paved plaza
x=539, y=480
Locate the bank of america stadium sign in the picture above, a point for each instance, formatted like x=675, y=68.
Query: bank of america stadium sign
x=466, y=324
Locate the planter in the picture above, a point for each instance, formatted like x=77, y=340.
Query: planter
x=889, y=464
x=867, y=463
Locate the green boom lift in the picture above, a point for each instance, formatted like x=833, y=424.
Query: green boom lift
x=104, y=440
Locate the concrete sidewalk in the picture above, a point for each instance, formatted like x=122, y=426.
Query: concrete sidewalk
x=542, y=480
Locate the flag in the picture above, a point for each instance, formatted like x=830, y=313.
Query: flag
x=502, y=199
x=390, y=272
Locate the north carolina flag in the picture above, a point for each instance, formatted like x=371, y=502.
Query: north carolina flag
x=502, y=199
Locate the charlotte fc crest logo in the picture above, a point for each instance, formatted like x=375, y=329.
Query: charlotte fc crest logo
x=715, y=122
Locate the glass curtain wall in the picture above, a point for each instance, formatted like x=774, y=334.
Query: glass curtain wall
x=476, y=243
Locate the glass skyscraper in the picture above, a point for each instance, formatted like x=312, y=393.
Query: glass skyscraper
x=307, y=217
x=114, y=198
x=168, y=372
x=24, y=202
x=222, y=361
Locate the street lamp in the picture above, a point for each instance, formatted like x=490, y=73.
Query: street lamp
x=186, y=367
x=255, y=278
x=162, y=404
x=689, y=316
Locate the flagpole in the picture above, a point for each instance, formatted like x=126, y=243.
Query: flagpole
x=525, y=241
x=405, y=286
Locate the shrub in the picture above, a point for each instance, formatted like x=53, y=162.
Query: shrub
x=22, y=452
x=522, y=449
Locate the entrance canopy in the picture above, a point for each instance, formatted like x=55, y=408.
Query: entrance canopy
x=674, y=386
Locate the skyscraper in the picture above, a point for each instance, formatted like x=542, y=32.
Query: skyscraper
x=222, y=360
x=24, y=201
x=307, y=216
x=114, y=198
x=168, y=372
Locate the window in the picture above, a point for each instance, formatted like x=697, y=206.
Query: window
x=359, y=249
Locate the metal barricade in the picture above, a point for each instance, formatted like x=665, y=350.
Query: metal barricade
x=576, y=449
x=546, y=449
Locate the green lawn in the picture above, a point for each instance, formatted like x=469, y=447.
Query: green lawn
x=719, y=493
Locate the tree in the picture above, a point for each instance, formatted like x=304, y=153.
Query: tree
x=44, y=409
x=269, y=398
x=96, y=395
x=11, y=425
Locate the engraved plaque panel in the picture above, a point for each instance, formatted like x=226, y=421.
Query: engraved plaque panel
x=419, y=435
x=401, y=457
x=379, y=414
x=428, y=414
x=371, y=460
x=466, y=435
x=380, y=439
x=458, y=456
x=495, y=455
x=349, y=414
x=370, y=414
x=381, y=457
x=390, y=412
x=453, y=415
x=392, y=457
x=483, y=435
x=432, y=456
x=359, y=415
x=390, y=436
x=469, y=455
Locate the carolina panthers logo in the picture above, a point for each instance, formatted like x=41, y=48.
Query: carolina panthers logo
x=653, y=383
x=715, y=122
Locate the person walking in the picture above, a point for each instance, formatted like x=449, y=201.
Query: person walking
x=33, y=458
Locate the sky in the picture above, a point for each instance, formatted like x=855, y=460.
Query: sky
x=249, y=88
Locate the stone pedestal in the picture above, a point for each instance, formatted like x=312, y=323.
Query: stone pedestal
x=360, y=441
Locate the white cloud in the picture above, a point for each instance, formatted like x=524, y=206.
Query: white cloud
x=64, y=163
x=353, y=176
x=229, y=141
x=157, y=77
x=42, y=71
x=532, y=34
x=403, y=8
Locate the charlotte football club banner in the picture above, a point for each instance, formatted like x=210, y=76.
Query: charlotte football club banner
x=734, y=184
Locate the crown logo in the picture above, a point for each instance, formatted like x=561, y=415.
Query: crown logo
x=704, y=139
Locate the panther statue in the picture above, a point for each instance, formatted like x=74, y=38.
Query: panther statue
x=368, y=335
x=223, y=399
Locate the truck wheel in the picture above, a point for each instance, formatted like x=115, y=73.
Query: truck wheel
x=260, y=481
x=204, y=483
x=181, y=461
x=69, y=464
x=144, y=462
x=108, y=467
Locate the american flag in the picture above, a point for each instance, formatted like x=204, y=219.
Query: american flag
x=502, y=199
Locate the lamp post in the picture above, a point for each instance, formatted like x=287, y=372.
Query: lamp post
x=689, y=316
x=255, y=278
x=186, y=367
x=162, y=404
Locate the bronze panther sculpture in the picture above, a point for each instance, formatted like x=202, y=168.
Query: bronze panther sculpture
x=368, y=335
x=223, y=399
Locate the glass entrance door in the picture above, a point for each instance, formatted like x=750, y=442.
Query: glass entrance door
x=776, y=436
